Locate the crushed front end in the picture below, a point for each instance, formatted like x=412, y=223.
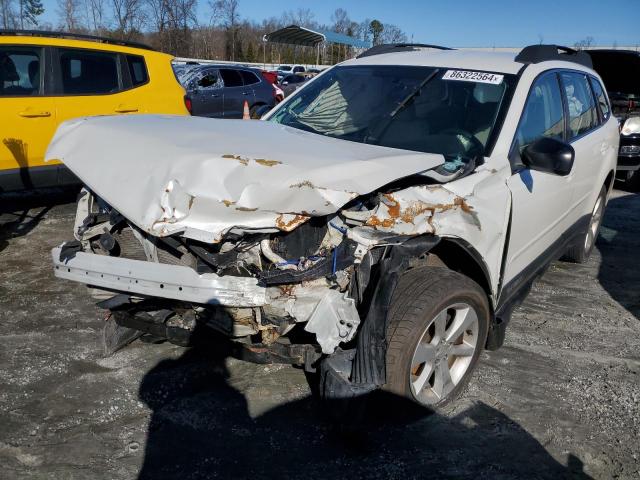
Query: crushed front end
x=289, y=296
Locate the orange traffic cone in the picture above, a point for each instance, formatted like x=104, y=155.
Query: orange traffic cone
x=245, y=111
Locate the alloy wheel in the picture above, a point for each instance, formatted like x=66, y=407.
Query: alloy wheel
x=444, y=353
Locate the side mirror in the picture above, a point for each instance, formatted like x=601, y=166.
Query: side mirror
x=262, y=110
x=550, y=156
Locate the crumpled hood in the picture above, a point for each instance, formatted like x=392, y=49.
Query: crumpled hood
x=204, y=177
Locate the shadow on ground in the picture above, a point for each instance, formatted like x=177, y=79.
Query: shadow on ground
x=619, y=245
x=201, y=428
x=21, y=212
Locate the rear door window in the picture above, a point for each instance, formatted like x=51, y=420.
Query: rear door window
x=87, y=72
x=249, y=78
x=543, y=114
x=20, y=71
x=583, y=115
x=209, y=80
x=601, y=98
x=137, y=70
x=231, y=78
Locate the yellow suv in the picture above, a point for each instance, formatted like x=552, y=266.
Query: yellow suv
x=47, y=78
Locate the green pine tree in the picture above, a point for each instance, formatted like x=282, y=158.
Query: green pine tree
x=30, y=10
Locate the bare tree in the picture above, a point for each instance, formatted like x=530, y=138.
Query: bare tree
x=128, y=16
x=393, y=34
x=8, y=14
x=96, y=14
x=69, y=15
x=180, y=17
x=303, y=17
x=341, y=20
x=584, y=44
x=227, y=12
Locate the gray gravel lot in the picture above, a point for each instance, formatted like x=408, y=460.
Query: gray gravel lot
x=559, y=400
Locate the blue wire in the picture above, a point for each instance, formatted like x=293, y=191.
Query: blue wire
x=340, y=229
x=335, y=261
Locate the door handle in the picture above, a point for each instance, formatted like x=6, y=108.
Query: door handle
x=34, y=114
x=126, y=109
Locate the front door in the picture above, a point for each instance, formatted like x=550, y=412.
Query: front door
x=27, y=119
x=542, y=203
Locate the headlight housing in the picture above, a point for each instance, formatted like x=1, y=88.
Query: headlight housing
x=631, y=126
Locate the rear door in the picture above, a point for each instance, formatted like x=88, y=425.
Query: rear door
x=95, y=82
x=542, y=203
x=257, y=86
x=27, y=118
x=235, y=93
x=591, y=149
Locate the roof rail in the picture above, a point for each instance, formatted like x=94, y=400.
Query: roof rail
x=543, y=53
x=398, y=47
x=75, y=36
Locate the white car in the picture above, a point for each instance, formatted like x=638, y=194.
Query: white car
x=378, y=227
x=284, y=70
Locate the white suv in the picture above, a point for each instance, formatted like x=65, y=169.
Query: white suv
x=378, y=227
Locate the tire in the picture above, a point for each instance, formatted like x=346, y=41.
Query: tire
x=428, y=302
x=253, y=115
x=581, y=251
x=633, y=183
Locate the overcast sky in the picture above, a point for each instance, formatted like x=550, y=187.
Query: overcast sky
x=468, y=22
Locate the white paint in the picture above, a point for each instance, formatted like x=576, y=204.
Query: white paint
x=204, y=177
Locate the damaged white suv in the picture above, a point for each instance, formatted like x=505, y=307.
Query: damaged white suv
x=379, y=226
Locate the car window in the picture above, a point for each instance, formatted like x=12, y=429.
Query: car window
x=137, y=70
x=582, y=109
x=285, y=68
x=231, y=78
x=86, y=72
x=601, y=98
x=298, y=69
x=543, y=114
x=406, y=107
x=209, y=80
x=249, y=78
x=19, y=71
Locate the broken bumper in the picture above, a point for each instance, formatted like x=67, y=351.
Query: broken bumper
x=159, y=280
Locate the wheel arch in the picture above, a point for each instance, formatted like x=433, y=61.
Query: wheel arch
x=458, y=255
x=608, y=182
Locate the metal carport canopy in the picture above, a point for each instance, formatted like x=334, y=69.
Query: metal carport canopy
x=296, y=35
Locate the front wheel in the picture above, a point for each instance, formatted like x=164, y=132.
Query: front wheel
x=438, y=323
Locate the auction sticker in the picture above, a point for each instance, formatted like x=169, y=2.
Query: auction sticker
x=468, y=76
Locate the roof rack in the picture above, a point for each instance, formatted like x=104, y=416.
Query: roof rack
x=543, y=53
x=75, y=36
x=398, y=47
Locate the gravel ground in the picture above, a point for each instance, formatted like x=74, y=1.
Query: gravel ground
x=559, y=400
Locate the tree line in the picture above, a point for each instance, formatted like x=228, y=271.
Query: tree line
x=174, y=26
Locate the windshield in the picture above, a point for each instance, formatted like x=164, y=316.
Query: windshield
x=620, y=71
x=414, y=108
x=285, y=68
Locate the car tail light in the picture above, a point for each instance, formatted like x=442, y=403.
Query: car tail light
x=270, y=77
x=187, y=103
